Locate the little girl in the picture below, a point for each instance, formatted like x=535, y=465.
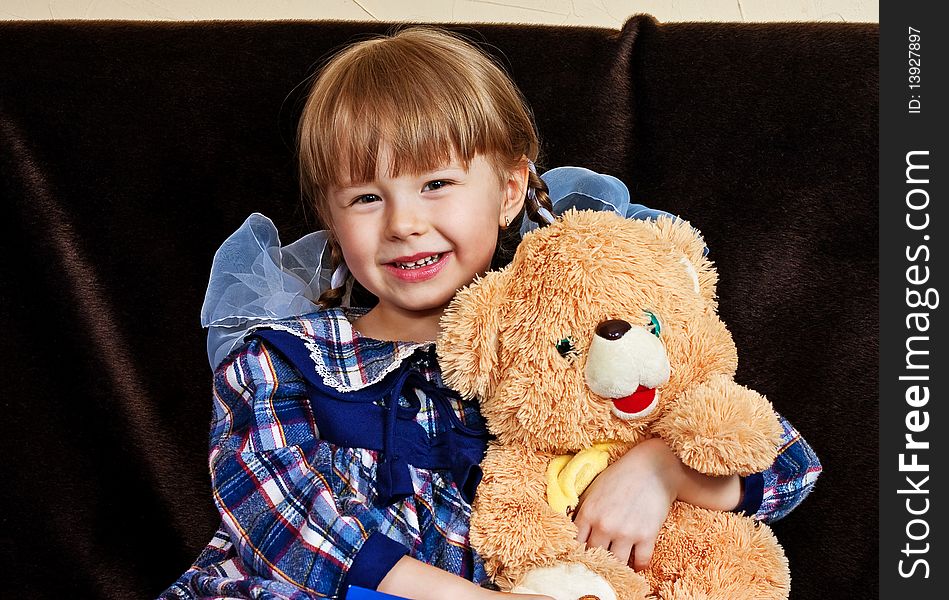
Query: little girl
x=337, y=456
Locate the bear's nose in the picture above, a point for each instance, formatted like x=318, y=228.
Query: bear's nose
x=613, y=329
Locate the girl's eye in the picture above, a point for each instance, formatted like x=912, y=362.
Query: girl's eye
x=653, y=326
x=435, y=185
x=565, y=346
x=366, y=199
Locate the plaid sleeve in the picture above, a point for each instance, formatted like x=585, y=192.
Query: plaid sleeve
x=773, y=493
x=271, y=479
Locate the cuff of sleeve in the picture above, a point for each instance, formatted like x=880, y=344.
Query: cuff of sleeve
x=752, y=495
x=373, y=561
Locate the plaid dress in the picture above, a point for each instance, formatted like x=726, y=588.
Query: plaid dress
x=304, y=517
x=306, y=510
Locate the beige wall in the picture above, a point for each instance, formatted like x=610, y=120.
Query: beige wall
x=604, y=13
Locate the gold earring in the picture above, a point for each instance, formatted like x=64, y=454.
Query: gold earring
x=507, y=221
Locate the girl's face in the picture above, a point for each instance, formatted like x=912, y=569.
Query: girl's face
x=415, y=239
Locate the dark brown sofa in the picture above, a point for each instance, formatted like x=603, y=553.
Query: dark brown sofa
x=129, y=151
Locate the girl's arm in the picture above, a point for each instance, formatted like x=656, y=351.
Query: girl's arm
x=625, y=506
x=271, y=479
x=414, y=579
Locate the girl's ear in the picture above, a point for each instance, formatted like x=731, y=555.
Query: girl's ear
x=515, y=190
x=468, y=343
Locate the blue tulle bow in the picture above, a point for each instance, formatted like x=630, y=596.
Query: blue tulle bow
x=254, y=279
x=583, y=189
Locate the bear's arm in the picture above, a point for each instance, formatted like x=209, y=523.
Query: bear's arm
x=721, y=428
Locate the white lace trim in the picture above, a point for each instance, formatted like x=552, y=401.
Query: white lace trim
x=330, y=378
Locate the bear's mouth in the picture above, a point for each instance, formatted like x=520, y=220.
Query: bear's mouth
x=638, y=404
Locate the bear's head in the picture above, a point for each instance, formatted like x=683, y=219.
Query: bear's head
x=595, y=327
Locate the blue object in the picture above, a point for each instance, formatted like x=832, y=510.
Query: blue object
x=583, y=189
x=254, y=280
x=357, y=593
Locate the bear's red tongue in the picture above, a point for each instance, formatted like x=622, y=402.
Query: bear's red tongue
x=637, y=401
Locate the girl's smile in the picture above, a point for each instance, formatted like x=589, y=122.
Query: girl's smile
x=419, y=267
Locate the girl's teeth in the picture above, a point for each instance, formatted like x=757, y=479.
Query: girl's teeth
x=420, y=263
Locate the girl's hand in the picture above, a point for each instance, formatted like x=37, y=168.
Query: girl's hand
x=625, y=506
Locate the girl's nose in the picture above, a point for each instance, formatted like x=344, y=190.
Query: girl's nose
x=406, y=217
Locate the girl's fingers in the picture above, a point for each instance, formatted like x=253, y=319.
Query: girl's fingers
x=642, y=554
x=622, y=551
x=583, y=532
x=598, y=540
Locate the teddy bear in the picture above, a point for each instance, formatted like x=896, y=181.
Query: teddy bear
x=601, y=333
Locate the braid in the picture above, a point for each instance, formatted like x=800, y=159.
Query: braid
x=540, y=198
x=333, y=297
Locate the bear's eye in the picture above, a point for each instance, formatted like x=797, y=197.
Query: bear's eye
x=565, y=346
x=653, y=325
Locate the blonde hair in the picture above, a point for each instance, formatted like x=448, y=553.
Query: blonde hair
x=428, y=96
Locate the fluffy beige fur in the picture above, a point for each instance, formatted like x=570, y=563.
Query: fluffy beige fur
x=499, y=343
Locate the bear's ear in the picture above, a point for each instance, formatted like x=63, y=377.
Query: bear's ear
x=688, y=241
x=468, y=343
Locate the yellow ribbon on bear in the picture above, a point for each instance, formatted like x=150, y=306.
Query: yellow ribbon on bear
x=569, y=475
